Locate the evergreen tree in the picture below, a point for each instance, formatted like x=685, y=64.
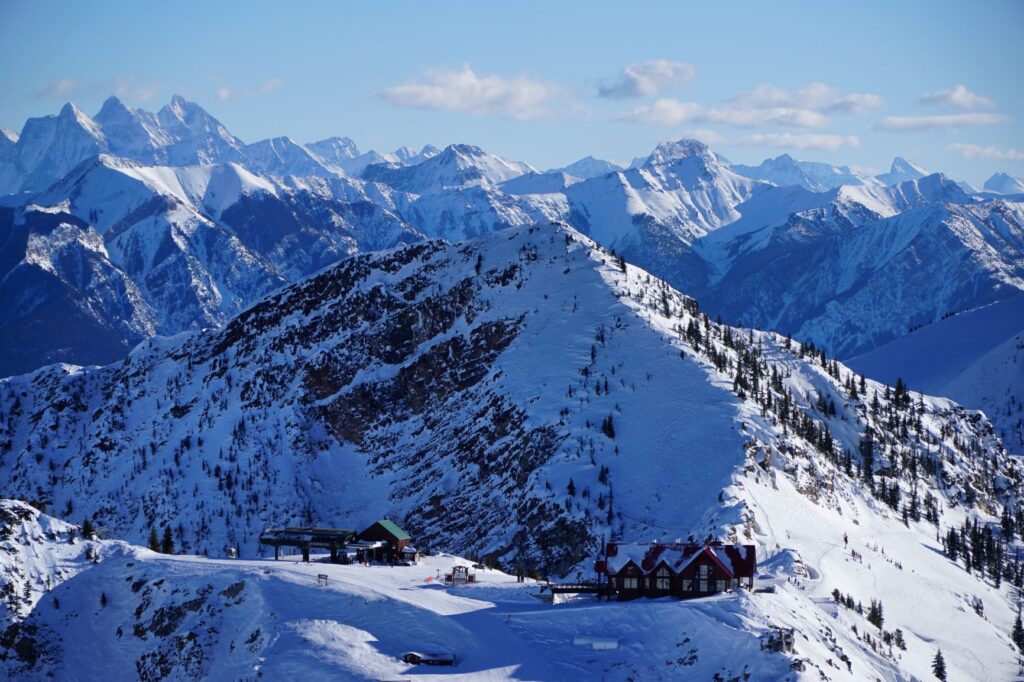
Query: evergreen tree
x=571, y=488
x=939, y=666
x=1018, y=634
x=867, y=457
x=103, y=599
x=87, y=530
x=167, y=543
x=154, y=541
x=875, y=616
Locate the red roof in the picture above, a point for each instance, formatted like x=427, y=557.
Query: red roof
x=737, y=561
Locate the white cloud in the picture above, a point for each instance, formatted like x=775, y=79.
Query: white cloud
x=647, y=79
x=671, y=112
x=799, y=141
x=665, y=111
x=464, y=91
x=765, y=105
x=56, y=89
x=909, y=123
x=224, y=93
x=973, y=151
x=707, y=136
x=959, y=96
x=817, y=97
x=771, y=116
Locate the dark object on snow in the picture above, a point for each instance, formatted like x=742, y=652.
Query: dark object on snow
x=433, y=658
x=767, y=589
x=778, y=639
x=305, y=538
x=460, y=575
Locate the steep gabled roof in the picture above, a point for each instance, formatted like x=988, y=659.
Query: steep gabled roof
x=707, y=550
x=392, y=527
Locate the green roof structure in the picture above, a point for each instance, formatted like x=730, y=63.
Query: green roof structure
x=392, y=527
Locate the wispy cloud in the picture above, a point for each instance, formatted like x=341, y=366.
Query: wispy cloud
x=959, y=96
x=707, y=136
x=59, y=88
x=647, y=79
x=814, y=97
x=672, y=112
x=943, y=121
x=765, y=105
x=465, y=91
x=974, y=151
x=799, y=141
x=225, y=93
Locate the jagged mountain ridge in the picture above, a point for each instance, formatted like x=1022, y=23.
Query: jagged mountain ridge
x=181, y=133
x=60, y=291
x=462, y=388
x=681, y=212
x=351, y=360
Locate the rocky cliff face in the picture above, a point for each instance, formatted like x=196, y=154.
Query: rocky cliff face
x=522, y=396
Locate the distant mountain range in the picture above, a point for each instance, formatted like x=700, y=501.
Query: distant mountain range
x=131, y=224
x=517, y=366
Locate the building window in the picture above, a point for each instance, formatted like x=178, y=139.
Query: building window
x=629, y=583
x=719, y=586
x=687, y=586
x=704, y=571
x=703, y=585
x=661, y=584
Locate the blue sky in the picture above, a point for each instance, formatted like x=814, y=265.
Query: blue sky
x=549, y=82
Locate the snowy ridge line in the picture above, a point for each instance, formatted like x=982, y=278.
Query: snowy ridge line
x=578, y=387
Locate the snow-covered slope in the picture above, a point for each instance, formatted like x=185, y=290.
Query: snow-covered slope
x=853, y=275
x=460, y=389
x=47, y=148
x=282, y=157
x=1002, y=183
x=784, y=171
x=459, y=166
x=975, y=357
x=37, y=554
x=902, y=171
x=164, y=249
x=588, y=167
x=61, y=294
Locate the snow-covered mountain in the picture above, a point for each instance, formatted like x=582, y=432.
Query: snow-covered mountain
x=786, y=171
x=922, y=252
x=902, y=171
x=458, y=166
x=975, y=357
x=525, y=396
x=1002, y=183
x=187, y=247
x=61, y=295
x=37, y=554
x=203, y=224
x=588, y=167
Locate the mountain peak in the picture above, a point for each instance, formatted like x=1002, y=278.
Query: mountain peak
x=113, y=108
x=1004, y=183
x=672, y=151
x=463, y=150
x=901, y=171
x=901, y=165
